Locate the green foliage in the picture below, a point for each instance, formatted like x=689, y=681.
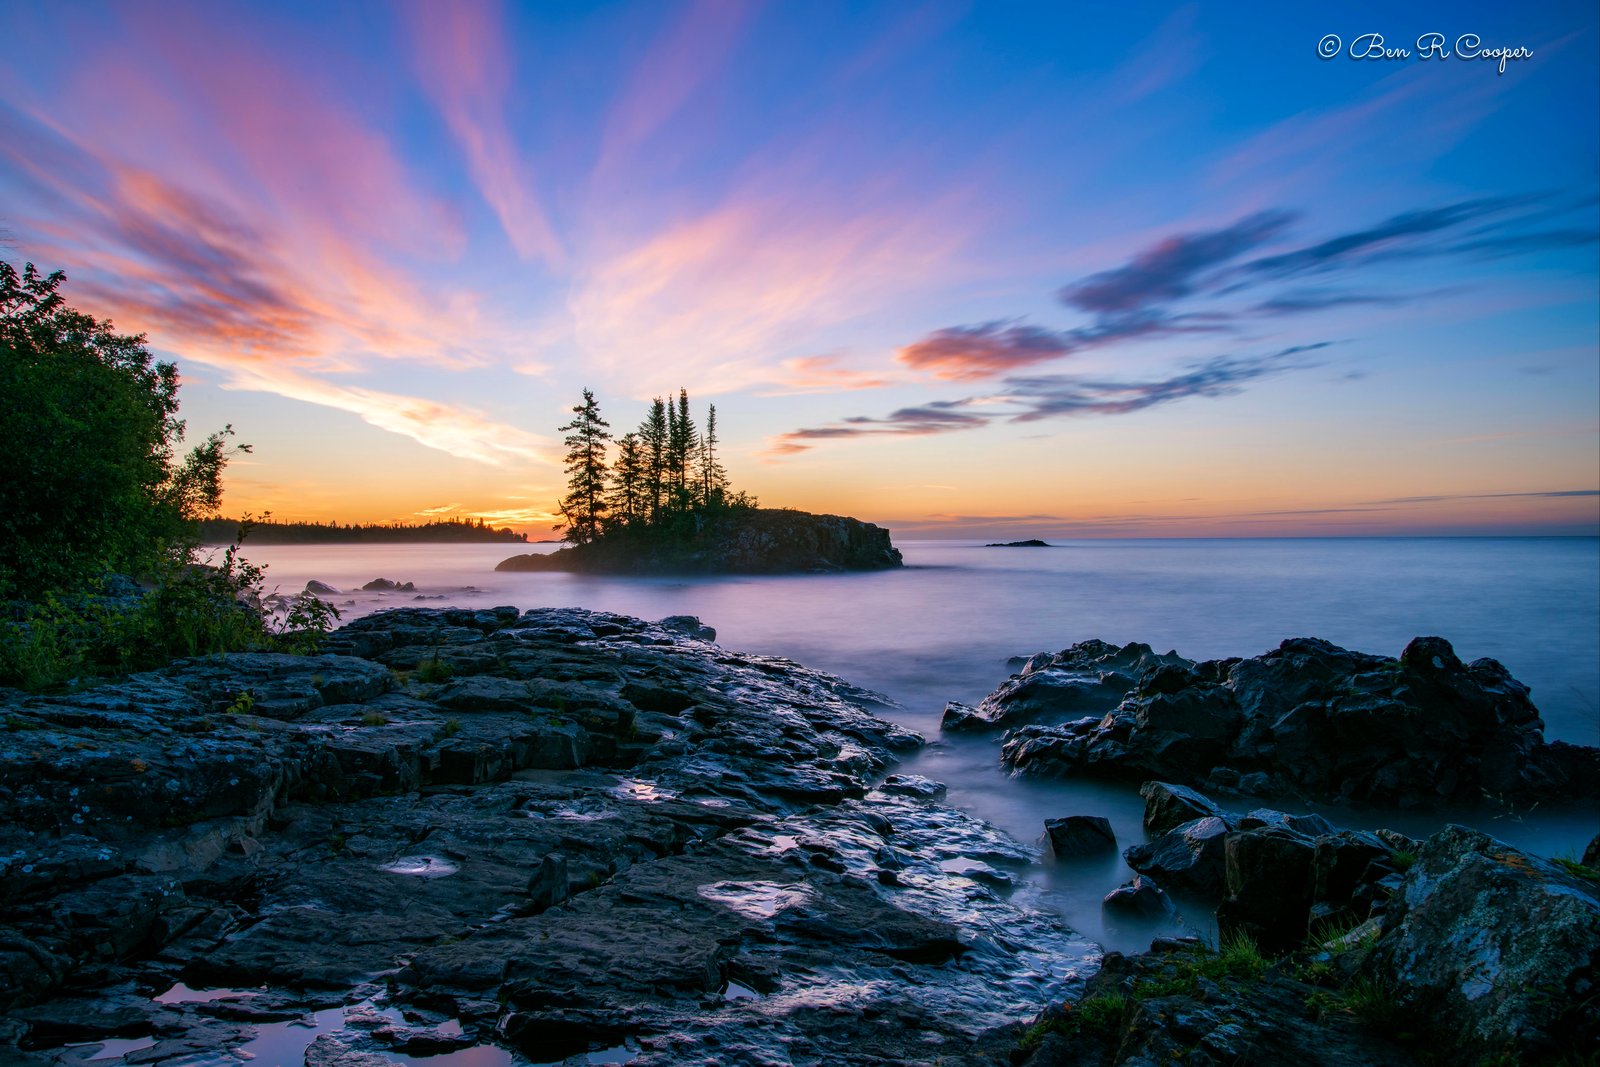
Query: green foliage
x=1403, y=860
x=1576, y=868
x=374, y=718
x=1236, y=957
x=304, y=623
x=1377, y=1006
x=450, y=728
x=244, y=702
x=93, y=481
x=433, y=670
x=1102, y=1015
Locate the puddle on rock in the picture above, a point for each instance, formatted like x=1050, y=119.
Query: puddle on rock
x=420, y=867
x=112, y=1048
x=182, y=994
x=757, y=900
x=735, y=991
x=619, y=1054
x=642, y=791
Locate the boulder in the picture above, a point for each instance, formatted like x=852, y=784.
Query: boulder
x=1268, y=878
x=1140, y=898
x=1190, y=858
x=1167, y=805
x=1077, y=836
x=1497, y=948
x=1087, y=679
x=316, y=588
x=386, y=585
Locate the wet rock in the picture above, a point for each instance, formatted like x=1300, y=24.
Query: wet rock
x=1327, y=722
x=913, y=785
x=1087, y=679
x=1495, y=947
x=1591, y=853
x=1190, y=858
x=689, y=626
x=1268, y=878
x=596, y=821
x=1140, y=898
x=1167, y=806
x=316, y=588
x=1080, y=835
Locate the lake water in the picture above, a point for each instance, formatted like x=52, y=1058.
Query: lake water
x=943, y=628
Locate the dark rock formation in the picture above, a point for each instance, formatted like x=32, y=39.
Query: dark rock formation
x=750, y=541
x=1032, y=542
x=388, y=585
x=562, y=830
x=1140, y=898
x=1189, y=858
x=1080, y=835
x=316, y=588
x=1498, y=948
x=1476, y=953
x=1308, y=718
x=1090, y=678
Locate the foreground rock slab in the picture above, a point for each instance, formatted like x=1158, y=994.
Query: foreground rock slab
x=559, y=831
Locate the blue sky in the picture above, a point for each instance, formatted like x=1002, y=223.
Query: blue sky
x=965, y=269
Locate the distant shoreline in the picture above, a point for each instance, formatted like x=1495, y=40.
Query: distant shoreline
x=222, y=532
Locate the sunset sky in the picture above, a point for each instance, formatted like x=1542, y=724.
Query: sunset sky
x=963, y=269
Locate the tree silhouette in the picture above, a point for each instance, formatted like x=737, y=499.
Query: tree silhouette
x=584, y=506
x=91, y=427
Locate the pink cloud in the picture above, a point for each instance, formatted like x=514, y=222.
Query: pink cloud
x=462, y=61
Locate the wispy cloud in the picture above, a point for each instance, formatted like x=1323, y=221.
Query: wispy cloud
x=462, y=61
x=1172, y=268
x=1031, y=399
x=825, y=374
x=221, y=274
x=1187, y=283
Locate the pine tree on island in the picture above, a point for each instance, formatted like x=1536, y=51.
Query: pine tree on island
x=663, y=482
x=585, y=504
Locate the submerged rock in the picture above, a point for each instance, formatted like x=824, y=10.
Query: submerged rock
x=1308, y=718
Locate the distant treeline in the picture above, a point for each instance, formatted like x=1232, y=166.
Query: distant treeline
x=264, y=532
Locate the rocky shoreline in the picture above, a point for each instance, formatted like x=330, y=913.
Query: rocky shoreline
x=562, y=834
x=558, y=831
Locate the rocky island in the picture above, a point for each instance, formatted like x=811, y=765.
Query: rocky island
x=744, y=541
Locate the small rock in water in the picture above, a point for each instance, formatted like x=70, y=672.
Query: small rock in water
x=317, y=588
x=385, y=585
x=913, y=785
x=689, y=626
x=1080, y=835
x=1140, y=898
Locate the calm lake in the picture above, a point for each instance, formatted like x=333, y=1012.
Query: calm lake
x=943, y=628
